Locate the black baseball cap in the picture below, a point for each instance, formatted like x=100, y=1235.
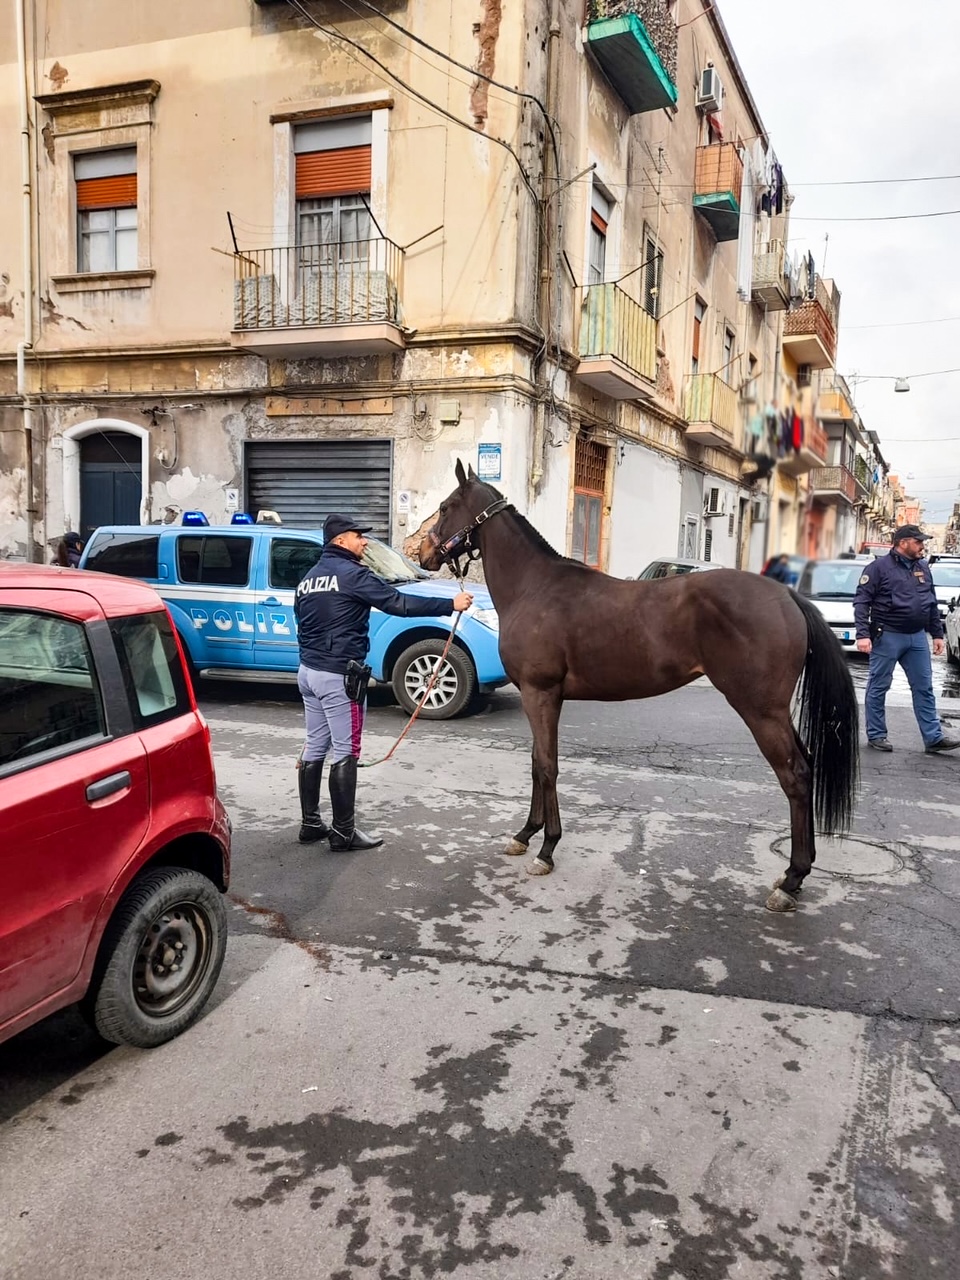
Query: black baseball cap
x=909, y=531
x=336, y=524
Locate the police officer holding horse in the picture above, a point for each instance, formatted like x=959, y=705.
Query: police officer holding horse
x=332, y=608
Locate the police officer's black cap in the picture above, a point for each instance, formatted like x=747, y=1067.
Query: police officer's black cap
x=909, y=531
x=336, y=524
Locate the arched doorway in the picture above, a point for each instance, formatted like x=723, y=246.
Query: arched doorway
x=111, y=480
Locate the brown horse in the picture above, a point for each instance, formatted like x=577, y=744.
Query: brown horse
x=569, y=632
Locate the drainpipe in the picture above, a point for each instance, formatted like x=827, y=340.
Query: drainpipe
x=26, y=344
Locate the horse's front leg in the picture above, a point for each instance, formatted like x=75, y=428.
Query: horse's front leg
x=520, y=842
x=542, y=707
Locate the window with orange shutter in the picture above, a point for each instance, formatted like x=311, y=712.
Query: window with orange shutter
x=106, y=199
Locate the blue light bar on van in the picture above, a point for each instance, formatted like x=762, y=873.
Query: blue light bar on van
x=241, y=517
x=194, y=517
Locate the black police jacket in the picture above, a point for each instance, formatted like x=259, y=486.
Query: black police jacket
x=897, y=594
x=333, y=604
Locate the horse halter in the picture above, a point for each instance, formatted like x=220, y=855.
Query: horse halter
x=460, y=545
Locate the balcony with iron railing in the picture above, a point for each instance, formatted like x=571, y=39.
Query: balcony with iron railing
x=618, y=343
x=318, y=299
x=836, y=401
x=717, y=186
x=810, y=330
x=635, y=44
x=770, y=287
x=812, y=453
x=710, y=408
x=833, y=486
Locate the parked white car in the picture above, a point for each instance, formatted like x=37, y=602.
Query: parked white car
x=831, y=585
x=945, y=571
x=951, y=627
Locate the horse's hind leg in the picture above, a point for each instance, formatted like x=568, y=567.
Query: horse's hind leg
x=776, y=738
x=542, y=707
x=520, y=842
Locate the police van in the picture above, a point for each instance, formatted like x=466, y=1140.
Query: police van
x=230, y=589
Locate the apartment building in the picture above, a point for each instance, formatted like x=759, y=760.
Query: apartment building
x=301, y=255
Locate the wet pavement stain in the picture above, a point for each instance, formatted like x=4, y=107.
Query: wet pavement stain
x=77, y=1092
x=449, y=1174
x=278, y=926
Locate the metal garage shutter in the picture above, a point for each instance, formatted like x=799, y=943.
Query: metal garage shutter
x=304, y=480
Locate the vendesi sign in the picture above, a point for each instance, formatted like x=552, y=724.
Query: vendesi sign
x=488, y=461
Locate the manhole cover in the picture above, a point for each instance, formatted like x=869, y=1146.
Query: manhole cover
x=849, y=858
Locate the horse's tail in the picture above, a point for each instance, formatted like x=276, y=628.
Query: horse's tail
x=828, y=723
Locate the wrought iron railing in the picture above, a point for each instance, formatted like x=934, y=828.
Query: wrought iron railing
x=613, y=324
x=311, y=285
x=834, y=480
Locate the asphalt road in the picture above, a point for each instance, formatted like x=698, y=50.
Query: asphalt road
x=422, y=1062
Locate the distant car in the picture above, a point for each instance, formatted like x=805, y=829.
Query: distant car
x=945, y=571
x=832, y=585
x=678, y=565
x=795, y=567
x=874, y=549
x=116, y=850
x=951, y=629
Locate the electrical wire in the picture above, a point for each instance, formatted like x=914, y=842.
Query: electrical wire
x=884, y=217
x=530, y=97
x=900, y=324
x=338, y=35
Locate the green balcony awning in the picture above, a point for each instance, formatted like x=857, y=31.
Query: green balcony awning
x=722, y=211
x=630, y=62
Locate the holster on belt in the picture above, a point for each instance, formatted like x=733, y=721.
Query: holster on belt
x=356, y=679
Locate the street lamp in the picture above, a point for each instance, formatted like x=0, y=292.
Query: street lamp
x=901, y=384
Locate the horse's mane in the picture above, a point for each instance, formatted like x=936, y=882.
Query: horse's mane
x=534, y=535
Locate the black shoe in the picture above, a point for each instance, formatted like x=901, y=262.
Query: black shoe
x=309, y=777
x=943, y=744
x=356, y=840
x=343, y=793
x=881, y=744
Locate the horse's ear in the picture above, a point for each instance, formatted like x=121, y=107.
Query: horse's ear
x=461, y=475
x=471, y=474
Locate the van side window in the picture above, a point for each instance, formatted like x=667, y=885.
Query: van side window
x=132, y=555
x=290, y=561
x=49, y=694
x=214, y=559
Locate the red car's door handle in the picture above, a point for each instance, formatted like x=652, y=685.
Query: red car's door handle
x=107, y=786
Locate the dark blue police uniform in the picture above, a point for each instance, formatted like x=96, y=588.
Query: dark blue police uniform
x=332, y=608
x=895, y=607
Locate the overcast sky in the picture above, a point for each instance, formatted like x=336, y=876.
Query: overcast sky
x=867, y=89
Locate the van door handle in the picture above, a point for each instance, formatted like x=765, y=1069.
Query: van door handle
x=270, y=600
x=108, y=785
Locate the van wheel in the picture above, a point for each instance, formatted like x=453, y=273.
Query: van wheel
x=160, y=958
x=452, y=689
x=953, y=659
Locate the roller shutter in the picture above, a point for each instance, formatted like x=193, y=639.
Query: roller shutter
x=304, y=480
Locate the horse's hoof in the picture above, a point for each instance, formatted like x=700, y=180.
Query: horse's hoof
x=780, y=901
x=515, y=849
x=539, y=868
x=779, y=883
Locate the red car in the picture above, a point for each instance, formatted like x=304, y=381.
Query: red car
x=115, y=850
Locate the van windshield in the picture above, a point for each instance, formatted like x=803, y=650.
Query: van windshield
x=391, y=565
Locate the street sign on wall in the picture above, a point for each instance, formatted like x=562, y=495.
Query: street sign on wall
x=488, y=461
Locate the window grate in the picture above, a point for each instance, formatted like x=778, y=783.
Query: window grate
x=590, y=466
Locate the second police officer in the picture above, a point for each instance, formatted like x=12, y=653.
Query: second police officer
x=895, y=608
x=332, y=608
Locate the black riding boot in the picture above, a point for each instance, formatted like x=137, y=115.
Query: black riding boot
x=313, y=827
x=343, y=794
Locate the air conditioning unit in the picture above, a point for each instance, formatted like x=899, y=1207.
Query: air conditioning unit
x=709, y=90
x=803, y=375
x=716, y=503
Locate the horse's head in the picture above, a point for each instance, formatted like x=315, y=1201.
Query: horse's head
x=461, y=514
